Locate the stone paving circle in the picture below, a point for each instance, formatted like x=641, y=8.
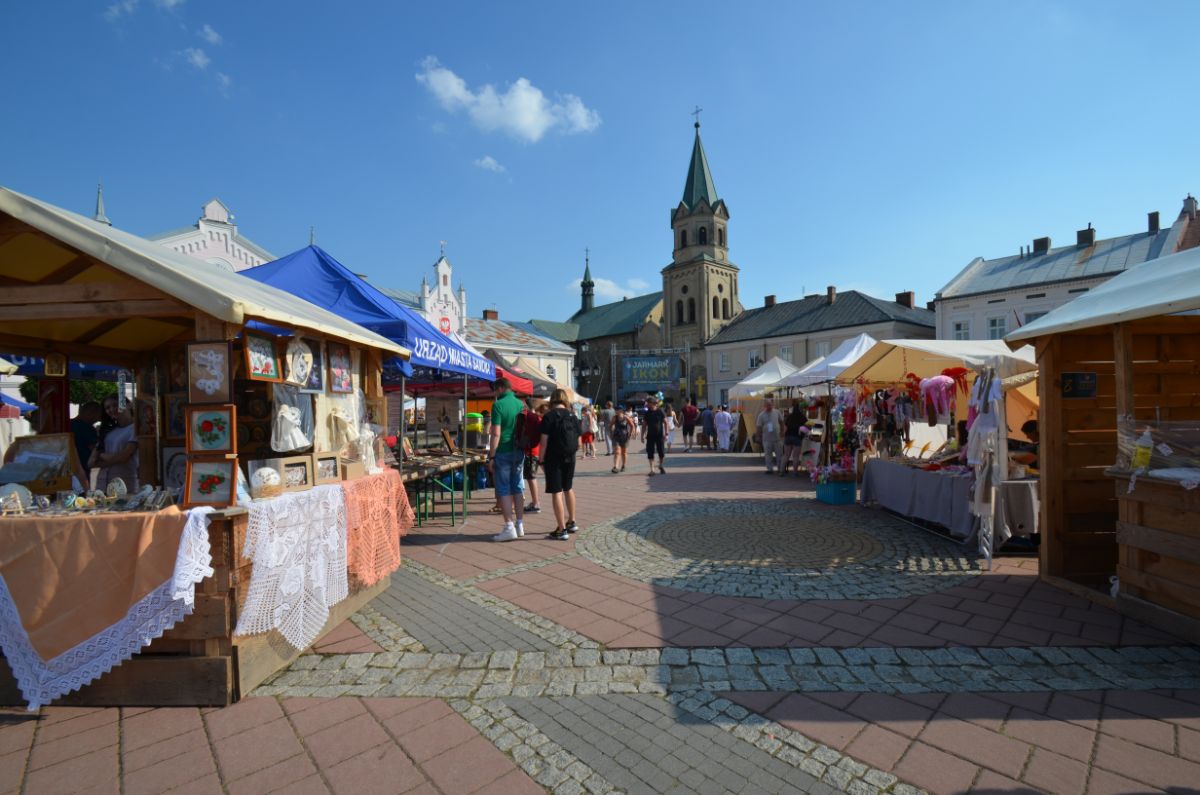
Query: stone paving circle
x=776, y=549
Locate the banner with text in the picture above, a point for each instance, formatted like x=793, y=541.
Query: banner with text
x=649, y=373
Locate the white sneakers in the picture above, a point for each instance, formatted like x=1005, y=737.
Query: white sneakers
x=511, y=532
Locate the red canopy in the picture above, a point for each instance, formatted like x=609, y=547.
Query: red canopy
x=476, y=388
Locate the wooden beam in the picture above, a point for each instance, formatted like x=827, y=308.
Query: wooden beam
x=70, y=270
x=103, y=309
x=1123, y=367
x=99, y=331
x=1171, y=545
x=14, y=343
x=86, y=291
x=1051, y=428
x=210, y=328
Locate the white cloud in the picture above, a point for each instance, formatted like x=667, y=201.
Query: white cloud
x=208, y=34
x=489, y=163
x=120, y=8
x=521, y=111
x=609, y=290
x=224, y=81
x=196, y=57
x=168, y=4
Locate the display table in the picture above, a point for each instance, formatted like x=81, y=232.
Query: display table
x=939, y=497
x=423, y=474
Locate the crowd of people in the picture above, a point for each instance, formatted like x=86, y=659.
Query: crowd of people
x=532, y=435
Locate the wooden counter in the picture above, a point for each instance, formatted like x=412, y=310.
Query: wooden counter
x=1158, y=533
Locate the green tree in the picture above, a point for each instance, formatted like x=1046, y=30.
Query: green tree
x=81, y=391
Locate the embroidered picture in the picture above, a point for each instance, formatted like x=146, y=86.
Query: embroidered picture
x=316, y=374
x=262, y=360
x=299, y=362
x=327, y=468
x=297, y=472
x=212, y=429
x=340, y=368
x=208, y=372
x=210, y=481
x=147, y=417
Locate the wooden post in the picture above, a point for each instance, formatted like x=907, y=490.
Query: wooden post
x=1051, y=457
x=210, y=328
x=1123, y=368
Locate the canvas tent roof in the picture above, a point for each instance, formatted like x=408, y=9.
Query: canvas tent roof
x=829, y=367
x=889, y=361
x=543, y=385
x=1164, y=286
x=312, y=274
x=60, y=236
x=766, y=376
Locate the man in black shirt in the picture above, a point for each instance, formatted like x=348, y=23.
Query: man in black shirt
x=654, y=433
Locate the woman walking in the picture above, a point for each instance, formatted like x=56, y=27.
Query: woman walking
x=670, y=426
x=619, y=432
x=588, y=432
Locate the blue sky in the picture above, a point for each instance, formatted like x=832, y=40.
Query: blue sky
x=875, y=146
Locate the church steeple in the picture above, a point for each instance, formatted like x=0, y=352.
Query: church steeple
x=100, y=216
x=588, y=287
x=699, y=183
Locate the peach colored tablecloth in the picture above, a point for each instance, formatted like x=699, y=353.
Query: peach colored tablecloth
x=377, y=515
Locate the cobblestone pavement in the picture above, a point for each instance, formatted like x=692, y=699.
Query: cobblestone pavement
x=710, y=630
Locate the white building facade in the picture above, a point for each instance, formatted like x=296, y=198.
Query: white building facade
x=214, y=238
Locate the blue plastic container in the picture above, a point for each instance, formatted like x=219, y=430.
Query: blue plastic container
x=839, y=493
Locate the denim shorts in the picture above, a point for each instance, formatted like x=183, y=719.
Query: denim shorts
x=506, y=474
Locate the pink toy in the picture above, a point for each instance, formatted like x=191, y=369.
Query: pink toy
x=937, y=393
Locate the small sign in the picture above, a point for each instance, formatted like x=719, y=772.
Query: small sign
x=1079, y=385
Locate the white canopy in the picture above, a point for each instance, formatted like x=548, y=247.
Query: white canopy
x=211, y=289
x=890, y=361
x=829, y=367
x=1165, y=286
x=763, y=379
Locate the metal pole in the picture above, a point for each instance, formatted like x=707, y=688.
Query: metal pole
x=403, y=425
x=612, y=360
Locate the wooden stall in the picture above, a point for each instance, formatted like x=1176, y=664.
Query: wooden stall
x=73, y=289
x=1116, y=364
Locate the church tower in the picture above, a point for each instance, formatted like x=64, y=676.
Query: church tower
x=700, y=286
x=587, y=288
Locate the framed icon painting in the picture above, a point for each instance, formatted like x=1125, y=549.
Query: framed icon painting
x=341, y=369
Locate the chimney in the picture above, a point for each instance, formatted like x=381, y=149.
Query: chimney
x=830, y=294
x=491, y=314
x=1189, y=207
x=907, y=299
x=931, y=306
x=1152, y=222
x=1041, y=245
x=769, y=301
x=1085, y=237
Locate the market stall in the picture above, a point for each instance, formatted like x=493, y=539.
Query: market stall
x=909, y=400
x=250, y=515
x=1120, y=407
x=763, y=379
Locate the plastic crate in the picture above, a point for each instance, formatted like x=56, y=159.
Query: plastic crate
x=836, y=493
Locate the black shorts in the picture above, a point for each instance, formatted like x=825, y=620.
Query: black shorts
x=689, y=430
x=531, y=466
x=560, y=475
x=654, y=443
x=620, y=441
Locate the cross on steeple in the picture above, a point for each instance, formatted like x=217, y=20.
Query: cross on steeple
x=697, y=113
x=443, y=247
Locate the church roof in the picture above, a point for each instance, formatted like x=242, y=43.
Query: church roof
x=814, y=313
x=619, y=317
x=563, y=332
x=501, y=334
x=699, y=183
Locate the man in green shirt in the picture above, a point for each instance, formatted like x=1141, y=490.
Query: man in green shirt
x=505, y=460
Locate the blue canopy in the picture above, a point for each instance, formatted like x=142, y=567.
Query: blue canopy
x=313, y=275
x=36, y=366
x=19, y=405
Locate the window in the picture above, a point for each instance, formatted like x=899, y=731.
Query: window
x=724, y=397
x=820, y=349
x=1032, y=316
x=723, y=363
x=550, y=371
x=683, y=238
x=753, y=359
x=725, y=308
x=445, y=280
x=997, y=327
x=683, y=289
x=703, y=237
x=785, y=352
x=962, y=330
x=716, y=308
x=691, y=310
x=679, y=313
x=720, y=236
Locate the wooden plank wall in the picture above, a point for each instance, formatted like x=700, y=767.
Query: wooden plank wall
x=1079, y=436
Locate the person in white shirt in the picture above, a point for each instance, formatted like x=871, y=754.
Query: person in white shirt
x=769, y=426
x=670, y=426
x=724, y=424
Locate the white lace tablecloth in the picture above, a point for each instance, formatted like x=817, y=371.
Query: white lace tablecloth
x=297, y=542
x=41, y=680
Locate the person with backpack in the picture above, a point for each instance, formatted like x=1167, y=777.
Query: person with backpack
x=506, y=455
x=619, y=431
x=654, y=433
x=559, y=444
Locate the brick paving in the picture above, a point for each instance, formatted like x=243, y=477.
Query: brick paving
x=713, y=629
